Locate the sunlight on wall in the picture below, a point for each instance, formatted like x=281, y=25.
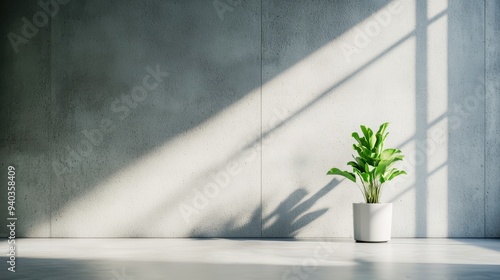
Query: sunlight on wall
x=143, y=199
x=329, y=94
x=435, y=7
x=365, y=76
x=339, y=59
x=437, y=150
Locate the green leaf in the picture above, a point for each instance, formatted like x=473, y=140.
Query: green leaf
x=380, y=170
x=395, y=174
x=367, y=132
x=373, y=164
x=361, y=141
x=378, y=144
x=365, y=153
x=361, y=163
x=367, y=167
x=363, y=175
x=373, y=141
x=356, y=148
x=354, y=164
x=387, y=154
x=381, y=129
x=348, y=175
x=385, y=136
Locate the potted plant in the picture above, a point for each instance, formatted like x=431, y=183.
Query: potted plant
x=372, y=167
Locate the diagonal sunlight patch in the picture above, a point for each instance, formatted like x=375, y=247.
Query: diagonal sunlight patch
x=437, y=105
x=211, y=174
x=330, y=64
x=328, y=97
x=123, y=204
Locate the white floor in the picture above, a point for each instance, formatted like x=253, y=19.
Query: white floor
x=179, y=259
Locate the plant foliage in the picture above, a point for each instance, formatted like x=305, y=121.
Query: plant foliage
x=373, y=165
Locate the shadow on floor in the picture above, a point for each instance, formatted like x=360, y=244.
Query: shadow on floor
x=63, y=269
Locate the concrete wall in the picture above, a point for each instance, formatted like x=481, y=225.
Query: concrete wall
x=221, y=118
x=492, y=120
x=25, y=110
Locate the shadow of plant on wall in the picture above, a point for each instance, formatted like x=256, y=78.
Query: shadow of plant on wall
x=286, y=220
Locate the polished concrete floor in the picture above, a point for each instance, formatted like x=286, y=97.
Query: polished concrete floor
x=179, y=259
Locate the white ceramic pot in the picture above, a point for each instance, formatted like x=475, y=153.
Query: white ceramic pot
x=372, y=222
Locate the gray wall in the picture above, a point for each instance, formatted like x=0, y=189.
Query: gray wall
x=492, y=120
x=259, y=102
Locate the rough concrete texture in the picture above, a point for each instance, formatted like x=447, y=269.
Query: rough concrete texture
x=308, y=82
x=259, y=102
x=172, y=162
x=492, y=179
x=466, y=181
x=25, y=121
